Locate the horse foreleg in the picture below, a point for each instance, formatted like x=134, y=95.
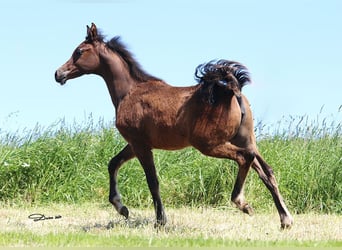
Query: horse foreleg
x=265, y=173
x=145, y=157
x=113, y=168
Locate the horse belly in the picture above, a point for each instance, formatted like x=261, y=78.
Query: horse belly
x=168, y=139
x=154, y=137
x=152, y=129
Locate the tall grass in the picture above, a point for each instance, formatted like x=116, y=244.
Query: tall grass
x=68, y=163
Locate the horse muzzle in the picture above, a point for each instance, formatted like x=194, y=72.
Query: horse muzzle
x=61, y=77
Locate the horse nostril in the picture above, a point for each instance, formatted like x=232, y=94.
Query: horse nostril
x=56, y=78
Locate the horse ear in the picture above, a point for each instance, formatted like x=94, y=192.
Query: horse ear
x=91, y=33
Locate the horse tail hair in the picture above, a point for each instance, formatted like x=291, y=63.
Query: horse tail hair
x=218, y=75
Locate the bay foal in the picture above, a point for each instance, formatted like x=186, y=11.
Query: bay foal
x=212, y=116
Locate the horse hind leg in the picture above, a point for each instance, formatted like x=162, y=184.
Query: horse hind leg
x=244, y=159
x=113, y=168
x=238, y=197
x=265, y=173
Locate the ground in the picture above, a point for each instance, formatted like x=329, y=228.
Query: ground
x=99, y=225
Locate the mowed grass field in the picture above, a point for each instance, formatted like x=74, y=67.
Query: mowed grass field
x=99, y=225
x=62, y=169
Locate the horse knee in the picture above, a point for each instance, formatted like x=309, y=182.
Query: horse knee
x=113, y=164
x=249, y=156
x=110, y=167
x=124, y=155
x=245, y=158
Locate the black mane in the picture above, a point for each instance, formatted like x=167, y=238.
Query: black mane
x=135, y=69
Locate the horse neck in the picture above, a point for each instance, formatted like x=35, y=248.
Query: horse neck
x=116, y=75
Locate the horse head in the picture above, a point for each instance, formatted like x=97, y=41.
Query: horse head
x=85, y=58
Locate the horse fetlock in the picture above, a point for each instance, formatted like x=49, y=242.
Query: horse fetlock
x=247, y=209
x=161, y=221
x=121, y=209
x=116, y=201
x=240, y=202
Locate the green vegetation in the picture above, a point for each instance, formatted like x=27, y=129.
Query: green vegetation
x=66, y=163
x=62, y=170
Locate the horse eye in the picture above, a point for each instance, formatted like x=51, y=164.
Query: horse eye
x=78, y=52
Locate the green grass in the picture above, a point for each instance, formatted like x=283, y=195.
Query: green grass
x=62, y=169
x=88, y=240
x=68, y=164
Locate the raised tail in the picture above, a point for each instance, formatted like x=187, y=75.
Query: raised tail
x=221, y=75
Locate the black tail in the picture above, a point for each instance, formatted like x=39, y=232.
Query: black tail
x=222, y=75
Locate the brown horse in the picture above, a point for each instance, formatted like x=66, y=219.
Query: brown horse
x=212, y=116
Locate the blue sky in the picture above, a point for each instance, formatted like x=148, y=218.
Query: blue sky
x=292, y=48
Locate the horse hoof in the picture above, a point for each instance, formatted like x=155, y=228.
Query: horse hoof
x=160, y=222
x=285, y=226
x=286, y=223
x=124, y=211
x=248, y=210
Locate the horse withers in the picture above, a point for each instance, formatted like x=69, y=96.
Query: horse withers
x=212, y=116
